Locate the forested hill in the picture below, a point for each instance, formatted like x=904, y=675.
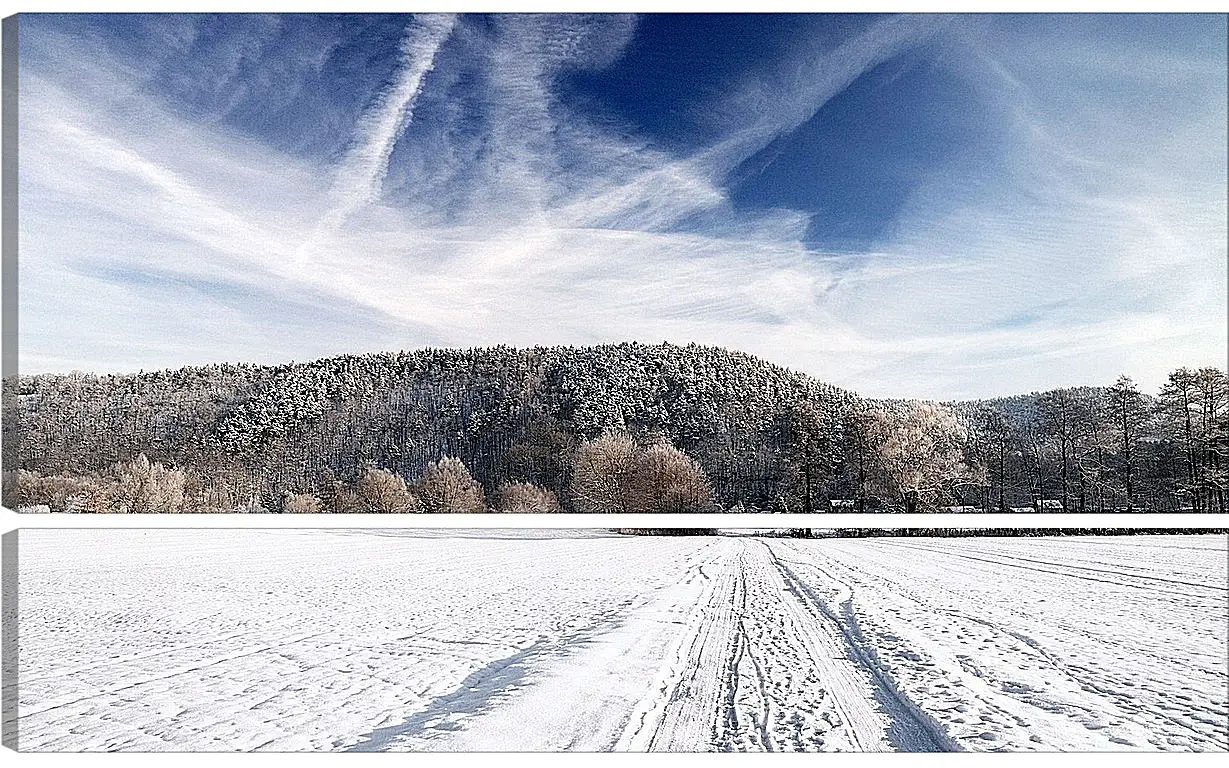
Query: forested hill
x=624, y=427
x=506, y=413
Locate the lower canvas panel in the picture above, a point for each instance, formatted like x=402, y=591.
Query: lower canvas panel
x=588, y=640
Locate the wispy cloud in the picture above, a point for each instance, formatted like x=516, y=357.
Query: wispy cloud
x=473, y=204
x=361, y=175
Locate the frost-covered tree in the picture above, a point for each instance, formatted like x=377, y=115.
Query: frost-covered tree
x=920, y=455
x=1097, y=452
x=447, y=487
x=302, y=504
x=663, y=479
x=382, y=492
x=543, y=456
x=991, y=436
x=22, y=489
x=59, y=493
x=250, y=434
x=141, y=486
x=859, y=451
x=510, y=414
x=1179, y=405
x=1194, y=404
x=525, y=498
x=1213, y=387
x=1064, y=418
x=601, y=474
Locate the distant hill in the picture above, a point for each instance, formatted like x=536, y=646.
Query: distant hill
x=505, y=412
x=767, y=438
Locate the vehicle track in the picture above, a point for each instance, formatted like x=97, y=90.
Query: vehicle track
x=1074, y=571
x=1064, y=667
x=687, y=696
x=798, y=678
x=722, y=644
x=909, y=728
x=760, y=667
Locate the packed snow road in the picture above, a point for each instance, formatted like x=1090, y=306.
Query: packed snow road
x=401, y=640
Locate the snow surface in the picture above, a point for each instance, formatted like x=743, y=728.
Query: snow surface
x=495, y=640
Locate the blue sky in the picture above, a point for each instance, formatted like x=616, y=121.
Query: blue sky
x=937, y=206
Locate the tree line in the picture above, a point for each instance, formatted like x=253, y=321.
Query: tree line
x=863, y=533
x=1090, y=449
x=612, y=428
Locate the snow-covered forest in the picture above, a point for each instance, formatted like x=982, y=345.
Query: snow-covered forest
x=614, y=428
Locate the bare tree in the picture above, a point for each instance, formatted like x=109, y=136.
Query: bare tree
x=1130, y=414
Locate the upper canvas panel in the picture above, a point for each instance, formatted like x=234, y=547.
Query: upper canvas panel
x=863, y=237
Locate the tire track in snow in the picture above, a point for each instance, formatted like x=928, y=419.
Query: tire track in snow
x=760, y=665
x=583, y=691
x=730, y=722
x=1094, y=698
x=729, y=643
x=1003, y=560
x=392, y=609
x=770, y=708
x=910, y=728
x=794, y=684
x=1024, y=618
x=683, y=704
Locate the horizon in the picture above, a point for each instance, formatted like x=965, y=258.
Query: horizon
x=954, y=207
x=416, y=350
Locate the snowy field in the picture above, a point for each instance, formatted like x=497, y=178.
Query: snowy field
x=407, y=640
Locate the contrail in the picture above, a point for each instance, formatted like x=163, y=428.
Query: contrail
x=362, y=171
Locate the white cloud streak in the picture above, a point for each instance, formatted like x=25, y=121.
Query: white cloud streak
x=546, y=228
x=360, y=178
